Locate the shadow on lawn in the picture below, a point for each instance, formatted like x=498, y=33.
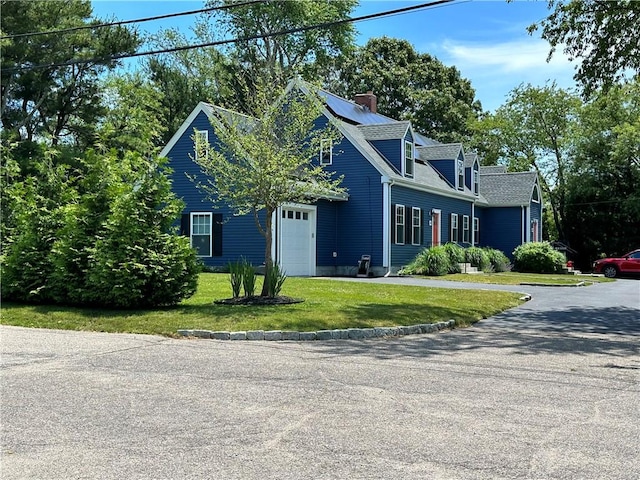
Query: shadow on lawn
x=574, y=330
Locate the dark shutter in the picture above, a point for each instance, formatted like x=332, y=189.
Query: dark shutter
x=217, y=234
x=408, y=225
x=393, y=223
x=185, y=224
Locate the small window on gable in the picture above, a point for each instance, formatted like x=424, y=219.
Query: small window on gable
x=455, y=236
x=201, y=142
x=408, y=159
x=460, y=175
x=536, y=195
x=465, y=228
x=326, y=152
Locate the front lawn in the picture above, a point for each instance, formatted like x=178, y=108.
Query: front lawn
x=328, y=304
x=515, y=278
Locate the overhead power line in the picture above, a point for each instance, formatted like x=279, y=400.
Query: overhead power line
x=126, y=22
x=386, y=13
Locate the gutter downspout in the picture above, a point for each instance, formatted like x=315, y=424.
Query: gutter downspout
x=473, y=224
x=522, y=227
x=386, y=223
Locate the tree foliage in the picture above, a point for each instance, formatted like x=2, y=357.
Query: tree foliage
x=534, y=129
x=261, y=163
x=99, y=235
x=58, y=103
x=604, y=35
x=409, y=86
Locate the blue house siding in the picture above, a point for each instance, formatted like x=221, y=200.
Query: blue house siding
x=400, y=195
x=391, y=150
x=358, y=220
x=240, y=237
x=447, y=168
x=501, y=228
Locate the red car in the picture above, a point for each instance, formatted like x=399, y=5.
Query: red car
x=628, y=264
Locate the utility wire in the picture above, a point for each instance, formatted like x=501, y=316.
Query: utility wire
x=233, y=40
x=125, y=22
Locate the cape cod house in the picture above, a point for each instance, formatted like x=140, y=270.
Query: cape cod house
x=405, y=192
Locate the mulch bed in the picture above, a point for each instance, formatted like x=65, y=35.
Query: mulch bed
x=259, y=300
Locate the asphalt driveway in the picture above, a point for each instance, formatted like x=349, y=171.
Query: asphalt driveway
x=550, y=389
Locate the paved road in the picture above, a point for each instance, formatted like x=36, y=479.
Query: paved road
x=547, y=390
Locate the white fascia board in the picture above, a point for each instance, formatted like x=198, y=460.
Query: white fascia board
x=425, y=188
x=201, y=107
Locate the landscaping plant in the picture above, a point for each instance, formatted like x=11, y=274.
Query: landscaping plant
x=537, y=257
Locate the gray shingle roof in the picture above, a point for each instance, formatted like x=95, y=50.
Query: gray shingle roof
x=493, y=169
x=469, y=158
x=443, y=151
x=385, y=131
x=507, y=189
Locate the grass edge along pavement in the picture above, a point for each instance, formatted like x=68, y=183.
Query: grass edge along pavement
x=328, y=304
x=516, y=278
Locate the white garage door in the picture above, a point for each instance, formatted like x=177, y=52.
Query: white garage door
x=297, y=241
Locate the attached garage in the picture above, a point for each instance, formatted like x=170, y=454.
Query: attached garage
x=296, y=240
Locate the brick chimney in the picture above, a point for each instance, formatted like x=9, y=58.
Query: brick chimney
x=367, y=100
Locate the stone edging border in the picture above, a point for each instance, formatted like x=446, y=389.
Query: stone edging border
x=341, y=334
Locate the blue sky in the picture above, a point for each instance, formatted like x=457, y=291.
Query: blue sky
x=486, y=40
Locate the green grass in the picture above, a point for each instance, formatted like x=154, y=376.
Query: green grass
x=328, y=304
x=515, y=278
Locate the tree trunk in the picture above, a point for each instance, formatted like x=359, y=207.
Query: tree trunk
x=268, y=260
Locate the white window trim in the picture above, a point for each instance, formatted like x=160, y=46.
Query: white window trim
x=323, y=143
x=210, y=215
x=454, y=216
x=200, y=136
x=476, y=182
x=465, y=229
x=398, y=209
x=460, y=174
x=414, y=240
x=476, y=230
x=408, y=147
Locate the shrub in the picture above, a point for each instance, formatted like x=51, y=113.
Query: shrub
x=499, y=261
x=456, y=256
x=235, y=277
x=430, y=261
x=248, y=278
x=537, y=257
x=275, y=278
x=477, y=257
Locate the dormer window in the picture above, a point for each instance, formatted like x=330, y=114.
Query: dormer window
x=201, y=141
x=408, y=159
x=460, y=175
x=326, y=152
x=476, y=176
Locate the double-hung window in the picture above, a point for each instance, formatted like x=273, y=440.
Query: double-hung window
x=476, y=231
x=326, y=152
x=408, y=159
x=201, y=142
x=416, y=226
x=201, y=233
x=399, y=213
x=460, y=175
x=476, y=185
x=455, y=235
x=465, y=228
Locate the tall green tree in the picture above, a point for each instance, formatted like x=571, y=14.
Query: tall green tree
x=603, y=193
x=58, y=103
x=534, y=129
x=262, y=163
x=410, y=86
x=230, y=75
x=604, y=35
